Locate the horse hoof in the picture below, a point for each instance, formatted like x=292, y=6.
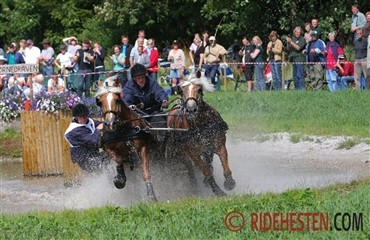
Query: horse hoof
x=119, y=181
x=229, y=184
x=150, y=192
x=220, y=193
x=152, y=198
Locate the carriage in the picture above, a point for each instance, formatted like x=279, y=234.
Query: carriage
x=191, y=128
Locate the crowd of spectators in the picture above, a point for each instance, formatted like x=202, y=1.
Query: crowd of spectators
x=310, y=56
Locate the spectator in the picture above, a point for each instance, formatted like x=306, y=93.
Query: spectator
x=100, y=55
x=307, y=34
x=144, y=92
x=72, y=47
x=9, y=85
x=134, y=51
x=197, y=54
x=247, y=62
x=37, y=86
x=358, y=21
x=13, y=56
x=119, y=60
x=153, y=54
x=295, y=46
x=257, y=56
x=213, y=54
x=3, y=78
x=32, y=53
x=205, y=38
x=64, y=60
x=193, y=46
x=2, y=52
x=83, y=136
x=315, y=26
x=22, y=47
x=46, y=58
x=360, y=59
x=19, y=86
x=142, y=57
x=55, y=84
x=333, y=51
x=366, y=28
x=274, y=51
x=126, y=50
x=345, y=71
x=177, y=59
x=140, y=35
x=85, y=60
x=316, y=52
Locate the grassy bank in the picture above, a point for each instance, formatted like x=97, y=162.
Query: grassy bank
x=319, y=113
x=195, y=218
x=10, y=143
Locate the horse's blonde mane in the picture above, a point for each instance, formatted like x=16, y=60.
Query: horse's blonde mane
x=206, y=85
x=107, y=89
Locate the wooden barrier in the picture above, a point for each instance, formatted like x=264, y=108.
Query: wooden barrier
x=44, y=149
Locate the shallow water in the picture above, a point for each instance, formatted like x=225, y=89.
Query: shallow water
x=257, y=167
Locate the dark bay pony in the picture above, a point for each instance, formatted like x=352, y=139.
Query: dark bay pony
x=123, y=133
x=206, y=133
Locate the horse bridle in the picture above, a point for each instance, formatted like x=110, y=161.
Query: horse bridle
x=197, y=101
x=117, y=114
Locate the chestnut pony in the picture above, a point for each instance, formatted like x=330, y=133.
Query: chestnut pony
x=123, y=134
x=206, y=133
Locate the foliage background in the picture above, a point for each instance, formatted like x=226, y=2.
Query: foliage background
x=105, y=20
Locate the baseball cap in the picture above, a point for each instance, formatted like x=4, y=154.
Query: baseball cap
x=212, y=38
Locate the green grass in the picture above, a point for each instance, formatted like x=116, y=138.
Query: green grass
x=10, y=143
x=349, y=143
x=195, y=218
x=345, y=113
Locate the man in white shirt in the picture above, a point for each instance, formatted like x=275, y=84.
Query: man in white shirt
x=32, y=53
x=46, y=58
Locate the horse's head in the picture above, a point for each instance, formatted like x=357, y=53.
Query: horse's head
x=192, y=93
x=108, y=98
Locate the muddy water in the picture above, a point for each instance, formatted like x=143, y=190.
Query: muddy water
x=274, y=165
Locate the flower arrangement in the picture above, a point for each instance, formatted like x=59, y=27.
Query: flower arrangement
x=11, y=106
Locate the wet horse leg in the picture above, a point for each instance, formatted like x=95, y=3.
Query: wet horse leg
x=116, y=153
x=207, y=173
x=146, y=175
x=229, y=182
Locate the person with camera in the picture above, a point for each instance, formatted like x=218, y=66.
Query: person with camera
x=84, y=58
x=274, y=51
x=316, y=57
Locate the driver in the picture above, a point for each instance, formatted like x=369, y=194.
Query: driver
x=83, y=136
x=144, y=92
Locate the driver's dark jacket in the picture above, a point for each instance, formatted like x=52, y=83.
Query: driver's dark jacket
x=152, y=95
